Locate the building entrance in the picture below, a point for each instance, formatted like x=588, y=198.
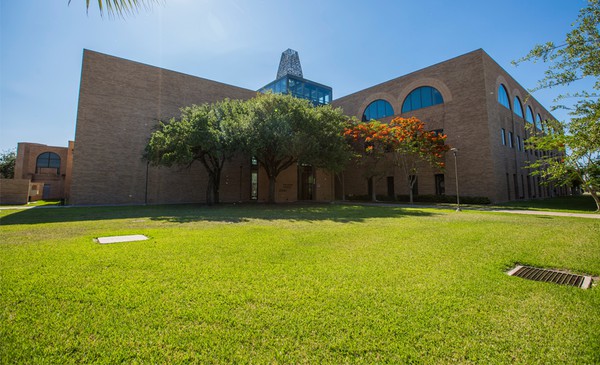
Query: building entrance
x=306, y=182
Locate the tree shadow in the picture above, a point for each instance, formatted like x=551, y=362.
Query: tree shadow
x=226, y=213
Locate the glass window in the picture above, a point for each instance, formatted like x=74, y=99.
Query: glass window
x=510, y=140
x=529, y=115
x=378, y=109
x=518, y=107
x=538, y=122
x=503, y=136
x=48, y=160
x=503, y=97
x=422, y=97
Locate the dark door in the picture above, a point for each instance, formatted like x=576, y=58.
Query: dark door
x=306, y=183
x=46, y=192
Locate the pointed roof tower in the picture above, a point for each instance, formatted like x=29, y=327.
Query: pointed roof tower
x=289, y=64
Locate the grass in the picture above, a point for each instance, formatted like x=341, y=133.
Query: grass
x=294, y=284
x=573, y=204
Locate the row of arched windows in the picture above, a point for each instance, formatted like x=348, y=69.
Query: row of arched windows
x=421, y=97
x=518, y=107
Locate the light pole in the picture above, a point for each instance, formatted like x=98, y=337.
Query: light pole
x=454, y=151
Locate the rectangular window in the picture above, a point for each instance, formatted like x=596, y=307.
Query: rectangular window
x=503, y=136
x=510, y=140
x=390, y=187
x=519, y=145
x=440, y=188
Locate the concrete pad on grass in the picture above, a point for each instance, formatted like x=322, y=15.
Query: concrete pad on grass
x=117, y=239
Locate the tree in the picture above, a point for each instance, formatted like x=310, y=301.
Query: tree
x=369, y=142
x=207, y=133
x=581, y=165
x=282, y=131
x=412, y=146
x=120, y=7
x=579, y=140
x=7, y=164
x=403, y=142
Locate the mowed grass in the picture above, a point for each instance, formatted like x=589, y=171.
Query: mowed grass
x=294, y=284
x=574, y=204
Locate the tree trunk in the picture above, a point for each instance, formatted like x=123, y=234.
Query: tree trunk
x=411, y=183
x=272, y=181
x=596, y=199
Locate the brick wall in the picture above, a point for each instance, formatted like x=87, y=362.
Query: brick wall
x=120, y=102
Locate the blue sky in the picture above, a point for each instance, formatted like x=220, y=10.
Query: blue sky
x=348, y=45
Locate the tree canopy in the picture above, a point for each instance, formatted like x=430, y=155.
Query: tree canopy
x=578, y=141
x=282, y=130
x=404, y=140
x=279, y=131
x=7, y=164
x=207, y=133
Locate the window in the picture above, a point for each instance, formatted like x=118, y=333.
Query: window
x=538, y=122
x=377, y=109
x=422, y=97
x=440, y=188
x=503, y=136
x=48, y=160
x=529, y=115
x=503, y=97
x=519, y=145
x=510, y=140
x=518, y=107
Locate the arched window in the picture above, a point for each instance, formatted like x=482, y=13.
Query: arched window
x=529, y=115
x=503, y=97
x=518, y=107
x=377, y=110
x=422, y=97
x=538, y=122
x=48, y=160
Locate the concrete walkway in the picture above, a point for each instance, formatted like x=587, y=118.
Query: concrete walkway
x=478, y=208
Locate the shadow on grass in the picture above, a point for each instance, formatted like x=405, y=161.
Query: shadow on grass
x=221, y=213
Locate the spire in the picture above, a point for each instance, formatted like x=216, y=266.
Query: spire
x=289, y=64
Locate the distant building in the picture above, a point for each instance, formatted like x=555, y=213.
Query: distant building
x=470, y=98
x=48, y=169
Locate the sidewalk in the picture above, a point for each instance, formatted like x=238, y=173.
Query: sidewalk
x=478, y=208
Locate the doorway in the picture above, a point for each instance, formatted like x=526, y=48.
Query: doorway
x=306, y=182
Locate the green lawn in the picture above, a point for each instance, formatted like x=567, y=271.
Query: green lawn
x=574, y=204
x=294, y=284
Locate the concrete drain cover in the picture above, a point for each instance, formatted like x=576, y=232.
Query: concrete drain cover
x=551, y=276
x=117, y=239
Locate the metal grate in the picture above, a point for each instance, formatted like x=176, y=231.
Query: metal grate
x=551, y=276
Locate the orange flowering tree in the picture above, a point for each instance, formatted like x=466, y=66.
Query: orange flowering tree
x=369, y=143
x=403, y=142
x=412, y=146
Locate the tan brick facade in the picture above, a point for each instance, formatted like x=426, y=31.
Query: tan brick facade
x=470, y=116
x=121, y=101
x=46, y=183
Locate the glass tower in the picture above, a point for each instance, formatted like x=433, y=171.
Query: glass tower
x=290, y=81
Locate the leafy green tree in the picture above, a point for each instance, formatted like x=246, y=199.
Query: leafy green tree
x=207, y=133
x=577, y=141
x=282, y=131
x=7, y=164
x=120, y=7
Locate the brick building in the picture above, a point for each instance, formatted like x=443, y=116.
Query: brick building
x=47, y=168
x=481, y=108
